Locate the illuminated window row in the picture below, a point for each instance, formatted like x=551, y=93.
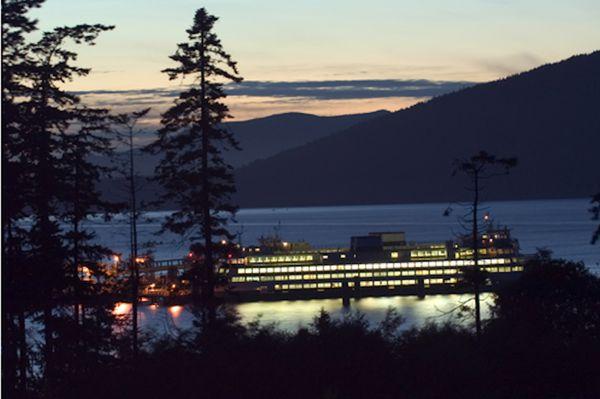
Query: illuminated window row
x=440, y=281
x=337, y=276
x=241, y=279
x=376, y=283
x=505, y=269
x=414, y=254
x=371, y=266
x=493, y=261
x=307, y=286
x=280, y=259
x=468, y=253
x=435, y=253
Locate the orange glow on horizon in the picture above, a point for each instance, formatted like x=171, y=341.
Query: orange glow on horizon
x=250, y=107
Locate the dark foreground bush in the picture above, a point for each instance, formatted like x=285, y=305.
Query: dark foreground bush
x=542, y=341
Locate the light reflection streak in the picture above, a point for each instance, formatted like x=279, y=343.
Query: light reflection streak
x=122, y=309
x=291, y=315
x=175, y=310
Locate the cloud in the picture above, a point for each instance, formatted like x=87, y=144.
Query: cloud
x=252, y=99
x=345, y=89
x=316, y=90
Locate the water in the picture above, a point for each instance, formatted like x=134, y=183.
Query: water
x=291, y=315
x=564, y=226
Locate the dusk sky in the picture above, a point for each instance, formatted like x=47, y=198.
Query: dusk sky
x=325, y=57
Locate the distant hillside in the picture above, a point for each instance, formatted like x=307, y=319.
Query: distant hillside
x=264, y=137
x=259, y=138
x=548, y=117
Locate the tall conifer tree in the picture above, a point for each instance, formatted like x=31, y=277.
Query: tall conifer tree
x=80, y=197
x=50, y=114
x=195, y=176
x=15, y=62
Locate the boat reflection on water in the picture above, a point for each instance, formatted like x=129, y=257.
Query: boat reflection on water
x=175, y=310
x=122, y=309
x=291, y=315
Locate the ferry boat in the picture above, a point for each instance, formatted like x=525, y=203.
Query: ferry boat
x=379, y=263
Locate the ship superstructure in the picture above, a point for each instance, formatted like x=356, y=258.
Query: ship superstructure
x=379, y=260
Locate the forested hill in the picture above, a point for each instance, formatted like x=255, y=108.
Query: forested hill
x=258, y=138
x=548, y=117
x=263, y=137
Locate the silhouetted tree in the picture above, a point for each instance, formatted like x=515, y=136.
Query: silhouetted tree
x=544, y=331
x=80, y=198
x=192, y=139
x=126, y=127
x=595, y=211
x=50, y=113
x=552, y=295
x=15, y=63
x=478, y=168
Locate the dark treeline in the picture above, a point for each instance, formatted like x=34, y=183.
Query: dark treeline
x=58, y=286
x=54, y=274
x=542, y=341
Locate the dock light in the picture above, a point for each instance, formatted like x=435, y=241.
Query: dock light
x=223, y=242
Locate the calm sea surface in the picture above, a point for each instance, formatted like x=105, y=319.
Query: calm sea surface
x=564, y=226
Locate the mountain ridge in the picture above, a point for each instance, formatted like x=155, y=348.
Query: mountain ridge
x=540, y=104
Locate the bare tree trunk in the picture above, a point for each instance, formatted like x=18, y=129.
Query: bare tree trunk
x=9, y=355
x=9, y=348
x=134, y=250
x=48, y=348
x=476, y=257
x=22, y=355
x=208, y=286
x=75, y=272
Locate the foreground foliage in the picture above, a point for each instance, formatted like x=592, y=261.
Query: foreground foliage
x=542, y=341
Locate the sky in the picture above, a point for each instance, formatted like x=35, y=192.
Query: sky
x=326, y=57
